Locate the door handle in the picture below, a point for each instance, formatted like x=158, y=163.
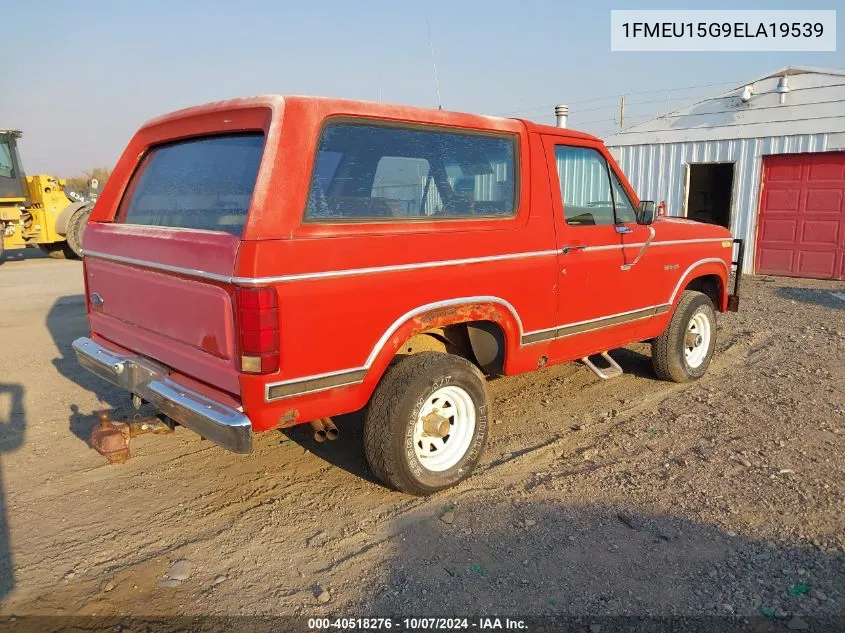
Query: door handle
x=566, y=249
x=623, y=230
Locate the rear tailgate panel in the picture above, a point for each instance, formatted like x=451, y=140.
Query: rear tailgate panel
x=185, y=321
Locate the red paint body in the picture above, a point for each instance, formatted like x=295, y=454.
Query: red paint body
x=354, y=321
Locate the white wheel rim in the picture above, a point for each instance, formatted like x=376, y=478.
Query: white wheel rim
x=697, y=340
x=442, y=453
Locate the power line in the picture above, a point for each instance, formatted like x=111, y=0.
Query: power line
x=627, y=94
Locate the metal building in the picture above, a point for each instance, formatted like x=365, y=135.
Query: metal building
x=766, y=159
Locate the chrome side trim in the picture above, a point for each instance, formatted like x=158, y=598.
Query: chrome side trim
x=251, y=281
x=608, y=247
x=295, y=387
x=562, y=331
x=190, y=272
x=257, y=281
x=214, y=421
x=709, y=260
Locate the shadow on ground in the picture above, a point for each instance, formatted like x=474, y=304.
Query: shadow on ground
x=67, y=321
x=554, y=561
x=21, y=254
x=812, y=296
x=12, y=432
x=346, y=453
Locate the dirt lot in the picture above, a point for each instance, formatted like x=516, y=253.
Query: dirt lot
x=631, y=496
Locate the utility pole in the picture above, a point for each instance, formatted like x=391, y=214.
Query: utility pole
x=621, y=112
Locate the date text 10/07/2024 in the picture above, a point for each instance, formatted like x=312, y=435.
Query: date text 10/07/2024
x=722, y=29
x=418, y=624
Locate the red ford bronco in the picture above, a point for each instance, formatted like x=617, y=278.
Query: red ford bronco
x=260, y=263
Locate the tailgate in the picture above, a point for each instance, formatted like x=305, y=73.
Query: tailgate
x=148, y=307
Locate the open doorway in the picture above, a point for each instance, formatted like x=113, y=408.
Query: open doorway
x=709, y=191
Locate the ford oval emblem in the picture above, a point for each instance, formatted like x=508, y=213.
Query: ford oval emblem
x=96, y=300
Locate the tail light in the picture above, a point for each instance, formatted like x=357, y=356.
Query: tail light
x=258, y=319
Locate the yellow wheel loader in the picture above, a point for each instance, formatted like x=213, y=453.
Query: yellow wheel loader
x=35, y=210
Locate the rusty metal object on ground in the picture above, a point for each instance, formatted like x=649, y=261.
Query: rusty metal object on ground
x=111, y=439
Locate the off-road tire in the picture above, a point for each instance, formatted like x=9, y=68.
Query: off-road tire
x=76, y=229
x=392, y=414
x=667, y=350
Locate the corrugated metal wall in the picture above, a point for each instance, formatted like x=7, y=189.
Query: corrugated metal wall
x=658, y=172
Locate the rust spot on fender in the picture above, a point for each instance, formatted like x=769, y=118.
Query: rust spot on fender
x=448, y=316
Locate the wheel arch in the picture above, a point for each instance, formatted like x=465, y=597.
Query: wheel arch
x=490, y=311
x=709, y=276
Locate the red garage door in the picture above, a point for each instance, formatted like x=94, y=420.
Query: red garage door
x=801, y=229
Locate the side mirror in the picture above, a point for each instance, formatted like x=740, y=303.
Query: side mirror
x=646, y=212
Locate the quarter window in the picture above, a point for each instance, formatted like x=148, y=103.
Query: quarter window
x=377, y=172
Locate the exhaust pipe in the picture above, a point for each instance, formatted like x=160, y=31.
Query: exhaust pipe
x=319, y=429
x=331, y=430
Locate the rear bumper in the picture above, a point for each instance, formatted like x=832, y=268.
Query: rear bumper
x=219, y=423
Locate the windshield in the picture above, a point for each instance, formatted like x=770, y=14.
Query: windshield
x=203, y=184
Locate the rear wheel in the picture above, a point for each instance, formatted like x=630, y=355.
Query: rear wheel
x=426, y=424
x=683, y=352
x=76, y=229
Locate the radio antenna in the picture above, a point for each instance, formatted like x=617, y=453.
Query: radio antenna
x=433, y=63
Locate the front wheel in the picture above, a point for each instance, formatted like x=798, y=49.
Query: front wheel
x=684, y=350
x=426, y=424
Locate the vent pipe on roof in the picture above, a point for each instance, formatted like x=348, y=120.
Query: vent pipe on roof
x=561, y=113
x=783, y=88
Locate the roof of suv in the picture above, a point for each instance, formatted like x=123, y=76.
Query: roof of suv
x=372, y=108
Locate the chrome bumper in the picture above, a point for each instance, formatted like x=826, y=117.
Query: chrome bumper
x=219, y=423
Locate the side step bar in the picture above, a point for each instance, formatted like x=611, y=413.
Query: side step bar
x=612, y=371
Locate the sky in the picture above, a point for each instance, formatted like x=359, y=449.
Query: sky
x=80, y=77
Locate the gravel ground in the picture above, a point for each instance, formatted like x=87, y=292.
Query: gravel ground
x=723, y=498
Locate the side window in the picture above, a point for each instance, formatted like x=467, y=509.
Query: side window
x=376, y=171
x=405, y=181
x=584, y=186
x=6, y=160
x=625, y=213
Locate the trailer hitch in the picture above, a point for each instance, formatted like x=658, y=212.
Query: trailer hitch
x=111, y=439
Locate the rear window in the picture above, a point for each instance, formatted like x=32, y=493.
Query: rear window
x=388, y=172
x=201, y=184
